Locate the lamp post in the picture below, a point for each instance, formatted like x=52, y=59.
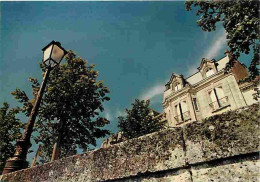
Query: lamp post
x=53, y=53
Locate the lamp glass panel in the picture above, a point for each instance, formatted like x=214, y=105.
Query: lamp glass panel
x=52, y=63
x=47, y=63
x=47, y=53
x=57, y=54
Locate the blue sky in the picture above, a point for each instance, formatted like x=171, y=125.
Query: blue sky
x=134, y=45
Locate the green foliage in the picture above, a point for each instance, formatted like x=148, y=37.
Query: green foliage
x=9, y=132
x=138, y=120
x=70, y=108
x=240, y=19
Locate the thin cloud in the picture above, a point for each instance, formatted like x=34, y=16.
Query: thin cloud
x=111, y=115
x=108, y=116
x=219, y=42
x=192, y=69
x=120, y=113
x=151, y=93
x=154, y=94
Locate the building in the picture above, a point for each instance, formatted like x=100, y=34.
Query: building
x=207, y=92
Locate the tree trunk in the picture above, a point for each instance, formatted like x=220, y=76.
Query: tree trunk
x=56, y=147
x=36, y=155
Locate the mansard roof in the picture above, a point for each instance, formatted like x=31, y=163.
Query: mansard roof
x=197, y=77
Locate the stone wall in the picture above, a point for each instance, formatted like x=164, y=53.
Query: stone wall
x=115, y=138
x=222, y=148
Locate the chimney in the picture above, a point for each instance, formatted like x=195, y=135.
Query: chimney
x=229, y=54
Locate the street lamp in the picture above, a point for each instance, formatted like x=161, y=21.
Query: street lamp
x=53, y=53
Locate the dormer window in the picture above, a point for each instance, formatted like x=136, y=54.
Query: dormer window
x=176, y=83
x=207, y=67
x=177, y=87
x=209, y=72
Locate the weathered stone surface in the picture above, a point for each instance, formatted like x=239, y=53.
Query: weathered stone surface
x=244, y=169
x=154, y=152
x=210, y=150
x=182, y=175
x=229, y=134
x=163, y=151
x=236, y=170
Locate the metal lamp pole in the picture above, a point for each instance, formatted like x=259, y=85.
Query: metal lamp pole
x=53, y=53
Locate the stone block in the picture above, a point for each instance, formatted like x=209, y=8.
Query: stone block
x=235, y=170
x=229, y=134
x=154, y=152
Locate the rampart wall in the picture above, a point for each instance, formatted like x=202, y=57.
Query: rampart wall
x=222, y=148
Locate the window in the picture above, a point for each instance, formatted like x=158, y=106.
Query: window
x=182, y=112
x=170, y=115
x=195, y=104
x=218, y=99
x=209, y=72
x=177, y=87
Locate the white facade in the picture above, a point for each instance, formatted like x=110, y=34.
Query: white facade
x=205, y=93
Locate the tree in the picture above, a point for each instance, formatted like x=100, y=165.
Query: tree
x=138, y=120
x=240, y=19
x=10, y=128
x=70, y=108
